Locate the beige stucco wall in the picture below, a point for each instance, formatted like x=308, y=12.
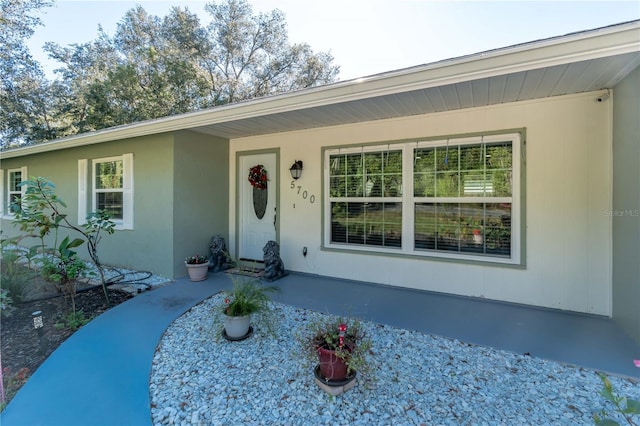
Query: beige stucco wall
x=568, y=189
x=626, y=204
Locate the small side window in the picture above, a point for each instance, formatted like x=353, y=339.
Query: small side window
x=11, y=188
x=110, y=184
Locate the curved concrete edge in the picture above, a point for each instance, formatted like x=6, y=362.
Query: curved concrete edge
x=100, y=375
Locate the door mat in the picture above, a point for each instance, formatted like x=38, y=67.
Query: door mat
x=246, y=271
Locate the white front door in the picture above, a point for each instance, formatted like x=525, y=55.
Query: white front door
x=255, y=231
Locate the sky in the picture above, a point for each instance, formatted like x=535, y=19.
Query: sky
x=365, y=37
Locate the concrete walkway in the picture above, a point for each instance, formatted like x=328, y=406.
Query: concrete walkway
x=100, y=375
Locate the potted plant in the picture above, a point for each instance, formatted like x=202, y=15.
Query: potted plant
x=341, y=349
x=477, y=236
x=197, y=267
x=248, y=297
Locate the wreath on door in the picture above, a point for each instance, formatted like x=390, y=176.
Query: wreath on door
x=258, y=177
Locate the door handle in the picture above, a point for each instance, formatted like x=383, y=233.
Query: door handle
x=275, y=216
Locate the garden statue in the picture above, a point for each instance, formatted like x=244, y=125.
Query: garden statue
x=273, y=266
x=219, y=257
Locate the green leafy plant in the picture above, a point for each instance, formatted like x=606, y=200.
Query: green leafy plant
x=64, y=269
x=23, y=255
x=627, y=408
x=14, y=277
x=39, y=211
x=196, y=260
x=6, y=303
x=247, y=297
x=73, y=321
x=498, y=234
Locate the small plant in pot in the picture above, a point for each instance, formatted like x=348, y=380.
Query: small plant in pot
x=197, y=267
x=341, y=348
x=248, y=297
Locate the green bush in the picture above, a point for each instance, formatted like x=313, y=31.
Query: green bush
x=39, y=212
x=624, y=407
x=72, y=321
x=6, y=304
x=15, y=278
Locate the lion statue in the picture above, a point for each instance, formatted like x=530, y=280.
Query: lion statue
x=273, y=266
x=218, y=256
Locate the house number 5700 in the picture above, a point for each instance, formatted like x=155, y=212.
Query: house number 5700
x=303, y=193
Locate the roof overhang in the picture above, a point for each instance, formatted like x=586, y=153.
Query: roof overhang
x=575, y=63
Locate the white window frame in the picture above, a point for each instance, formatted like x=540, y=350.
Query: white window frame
x=409, y=200
x=6, y=191
x=87, y=189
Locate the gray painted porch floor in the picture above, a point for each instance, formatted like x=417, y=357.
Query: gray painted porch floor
x=585, y=340
x=100, y=375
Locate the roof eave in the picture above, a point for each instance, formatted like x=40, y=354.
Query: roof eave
x=603, y=42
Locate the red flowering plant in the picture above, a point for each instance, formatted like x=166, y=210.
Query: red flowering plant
x=345, y=336
x=258, y=176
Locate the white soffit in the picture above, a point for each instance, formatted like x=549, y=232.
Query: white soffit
x=575, y=63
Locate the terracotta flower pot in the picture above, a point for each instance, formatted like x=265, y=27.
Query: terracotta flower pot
x=332, y=367
x=198, y=271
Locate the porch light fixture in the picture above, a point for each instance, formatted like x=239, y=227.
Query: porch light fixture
x=296, y=169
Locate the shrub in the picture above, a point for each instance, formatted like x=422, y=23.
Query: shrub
x=6, y=304
x=15, y=278
x=39, y=211
x=247, y=297
x=73, y=321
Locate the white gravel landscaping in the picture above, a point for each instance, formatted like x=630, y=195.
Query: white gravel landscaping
x=198, y=378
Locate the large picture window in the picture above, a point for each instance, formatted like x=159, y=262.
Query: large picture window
x=454, y=198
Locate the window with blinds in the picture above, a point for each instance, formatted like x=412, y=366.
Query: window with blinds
x=463, y=198
x=365, y=194
x=457, y=197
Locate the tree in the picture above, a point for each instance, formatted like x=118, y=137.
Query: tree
x=251, y=55
x=27, y=111
x=17, y=23
x=40, y=211
x=83, y=66
x=151, y=67
x=155, y=67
